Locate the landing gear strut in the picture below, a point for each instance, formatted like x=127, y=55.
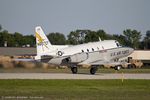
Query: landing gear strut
x=93, y=70
x=74, y=70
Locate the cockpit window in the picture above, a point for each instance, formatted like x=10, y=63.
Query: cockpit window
x=117, y=44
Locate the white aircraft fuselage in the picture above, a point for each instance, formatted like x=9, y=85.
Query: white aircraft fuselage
x=93, y=53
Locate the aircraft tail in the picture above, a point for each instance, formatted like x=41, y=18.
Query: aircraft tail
x=43, y=44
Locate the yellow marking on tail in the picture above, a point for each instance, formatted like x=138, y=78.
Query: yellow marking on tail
x=39, y=37
x=40, y=40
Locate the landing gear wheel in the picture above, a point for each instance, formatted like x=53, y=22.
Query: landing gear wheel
x=93, y=70
x=74, y=70
x=129, y=66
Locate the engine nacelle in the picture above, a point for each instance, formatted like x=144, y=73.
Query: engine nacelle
x=76, y=58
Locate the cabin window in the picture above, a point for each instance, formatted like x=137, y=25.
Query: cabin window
x=87, y=50
x=114, y=53
x=82, y=50
x=92, y=49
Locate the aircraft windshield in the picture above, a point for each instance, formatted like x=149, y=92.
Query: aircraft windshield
x=118, y=44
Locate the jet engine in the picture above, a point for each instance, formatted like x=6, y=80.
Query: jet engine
x=76, y=58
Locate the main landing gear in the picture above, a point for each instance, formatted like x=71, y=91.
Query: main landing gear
x=93, y=70
x=74, y=70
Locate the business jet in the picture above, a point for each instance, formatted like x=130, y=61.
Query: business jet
x=92, y=53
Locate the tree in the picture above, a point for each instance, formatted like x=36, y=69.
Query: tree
x=18, y=39
x=92, y=36
x=81, y=36
x=120, y=38
x=7, y=37
x=57, y=38
x=102, y=34
x=28, y=39
x=77, y=37
x=146, y=41
x=132, y=38
x=72, y=38
x=15, y=39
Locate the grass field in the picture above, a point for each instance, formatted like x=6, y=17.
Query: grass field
x=75, y=89
x=80, y=70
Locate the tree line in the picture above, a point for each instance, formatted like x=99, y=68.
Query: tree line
x=129, y=37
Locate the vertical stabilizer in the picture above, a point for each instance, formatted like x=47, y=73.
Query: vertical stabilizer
x=42, y=42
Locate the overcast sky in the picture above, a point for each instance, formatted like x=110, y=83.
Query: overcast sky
x=64, y=16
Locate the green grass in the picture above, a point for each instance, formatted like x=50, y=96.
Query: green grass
x=76, y=89
x=80, y=70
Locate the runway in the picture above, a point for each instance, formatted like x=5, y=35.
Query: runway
x=72, y=76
